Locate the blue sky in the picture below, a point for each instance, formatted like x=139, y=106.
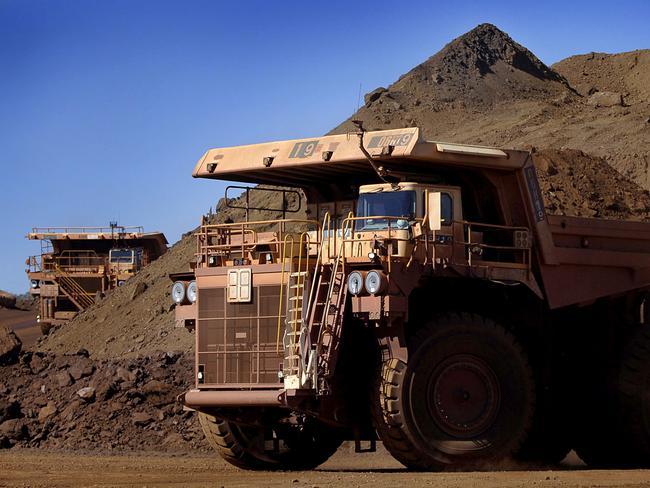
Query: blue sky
x=106, y=106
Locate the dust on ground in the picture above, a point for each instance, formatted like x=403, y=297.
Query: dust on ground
x=38, y=469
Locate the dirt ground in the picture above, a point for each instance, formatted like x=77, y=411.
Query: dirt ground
x=33, y=468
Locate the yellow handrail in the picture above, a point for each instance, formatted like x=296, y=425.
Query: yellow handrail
x=83, y=295
x=287, y=238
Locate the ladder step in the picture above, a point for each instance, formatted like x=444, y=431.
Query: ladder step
x=297, y=286
x=295, y=298
x=295, y=274
x=294, y=321
x=297, y=309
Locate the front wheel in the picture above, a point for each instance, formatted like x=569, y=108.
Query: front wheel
x=465, y=398
x=297, y=446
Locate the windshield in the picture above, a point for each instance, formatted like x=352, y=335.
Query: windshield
x=389, y=204
x=121, y=256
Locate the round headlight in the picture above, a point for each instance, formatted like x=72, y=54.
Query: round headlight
x=34, y=284
x=376, y=282
x=178, y=292
x=192, y=291
x=355, y=283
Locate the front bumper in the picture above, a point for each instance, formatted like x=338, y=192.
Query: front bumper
x=198, y=399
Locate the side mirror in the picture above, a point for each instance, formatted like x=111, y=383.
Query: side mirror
x=434, y=219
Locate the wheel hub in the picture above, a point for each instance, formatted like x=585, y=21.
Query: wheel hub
x=463, y=396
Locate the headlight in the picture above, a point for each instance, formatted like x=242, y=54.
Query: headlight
x=355, y=283
x=192, y=291
x=34, y=284
x=376, y=282
x=178, y=292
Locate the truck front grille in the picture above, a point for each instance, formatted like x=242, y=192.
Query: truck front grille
x=237, y=341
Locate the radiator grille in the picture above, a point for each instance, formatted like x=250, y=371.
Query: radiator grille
x=237, y=341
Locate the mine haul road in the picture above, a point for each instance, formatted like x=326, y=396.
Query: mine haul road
x=34, y=468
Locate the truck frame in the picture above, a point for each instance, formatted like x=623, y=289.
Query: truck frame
x=427, y=301
x=77, y=263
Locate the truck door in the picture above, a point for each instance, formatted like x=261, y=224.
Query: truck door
x=451, y=214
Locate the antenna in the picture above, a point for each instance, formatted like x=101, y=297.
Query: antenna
x=113, y=224
x=359, y=98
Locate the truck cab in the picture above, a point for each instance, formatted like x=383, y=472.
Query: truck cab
x=124, y=263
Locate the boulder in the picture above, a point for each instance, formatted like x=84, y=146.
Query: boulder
x=64, y=379
x=83, y=352
x=46, y=412
x=9, y=409
x=123, y=374
x=14, y=429
x=81, y=369
x=37, y=364
x=141, y=419
x=87, y=393
x=155, y=387
x=138, y=290
x=605, y=99
x=10, y=346
x=370, y=97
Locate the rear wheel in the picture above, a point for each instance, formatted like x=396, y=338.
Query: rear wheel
x=635, y=398
x=279, y=447
x=465, y=398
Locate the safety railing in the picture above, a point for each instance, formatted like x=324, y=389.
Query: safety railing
x=230, y=240
x=81, y=261
x=70, y=263
x=89, y=230
x=74, y=290
x=493, y=247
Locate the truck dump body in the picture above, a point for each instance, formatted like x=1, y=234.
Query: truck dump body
x=429, y=273
x=612, y=261
x=593, y=258
x=78, y=262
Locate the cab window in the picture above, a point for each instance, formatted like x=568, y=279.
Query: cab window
x=121, y=256
x=446, y=208
x=400, y=204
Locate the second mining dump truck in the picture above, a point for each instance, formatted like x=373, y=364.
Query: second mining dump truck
x=77, y=263
x=427, y=301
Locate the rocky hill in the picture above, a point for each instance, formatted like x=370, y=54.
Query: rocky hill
x=484, y=88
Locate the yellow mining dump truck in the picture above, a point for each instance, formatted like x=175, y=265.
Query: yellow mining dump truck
x=77, y=263
x=427, y=301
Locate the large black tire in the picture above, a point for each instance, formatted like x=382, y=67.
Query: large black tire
x=635, y=398
x=550, y=438
x=599, y=433
x=295, y=448
x=465, y=399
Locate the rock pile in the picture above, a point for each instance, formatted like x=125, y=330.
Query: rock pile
x=74, y=402
x=10, y=346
